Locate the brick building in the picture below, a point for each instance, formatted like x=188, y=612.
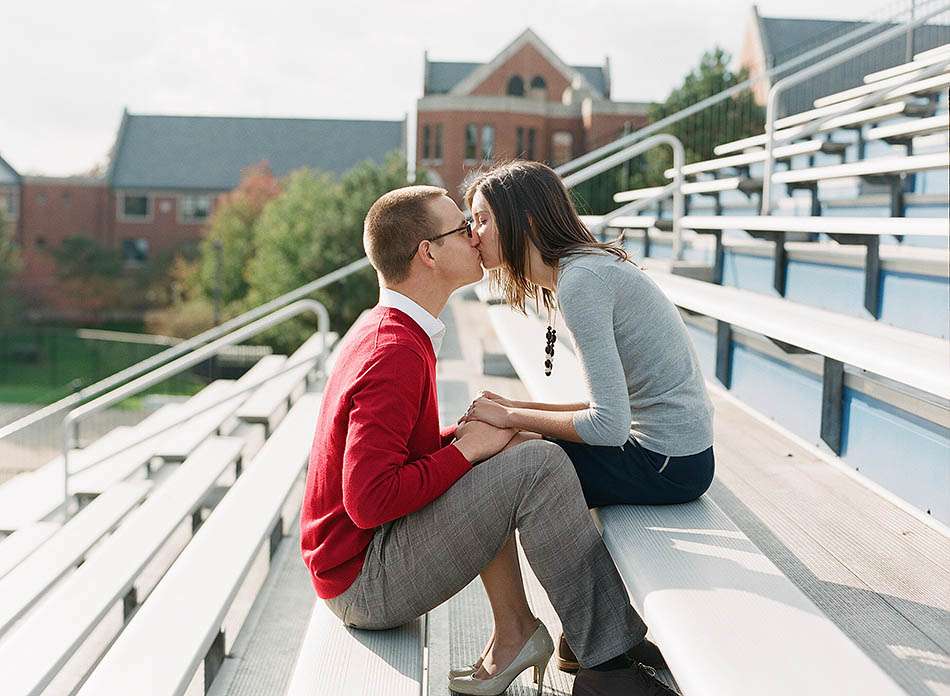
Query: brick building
x=525, y=102
x=164, y=175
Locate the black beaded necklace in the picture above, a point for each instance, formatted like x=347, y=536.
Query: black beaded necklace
x=549, y=350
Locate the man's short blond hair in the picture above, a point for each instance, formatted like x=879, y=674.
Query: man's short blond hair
x=394, y=226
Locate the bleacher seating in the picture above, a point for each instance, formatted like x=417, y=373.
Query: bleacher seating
x=725, y=609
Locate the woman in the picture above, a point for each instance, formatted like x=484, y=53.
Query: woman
x=646, y=436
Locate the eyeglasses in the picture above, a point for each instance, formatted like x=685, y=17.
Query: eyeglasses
x=467, y=228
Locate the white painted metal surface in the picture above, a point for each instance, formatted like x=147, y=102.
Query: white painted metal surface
x=876, y=113
x=35, y=652
x=920, y=227
x=728, y=621
x=874, y=86
x=784, y=152
x=920, y=62
x=160, y=649
x=16, y=547
x=878, y=165
x=344, y=661
x=23, y=586
x=923, y=126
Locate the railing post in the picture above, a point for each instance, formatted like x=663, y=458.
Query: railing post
x=724, y=353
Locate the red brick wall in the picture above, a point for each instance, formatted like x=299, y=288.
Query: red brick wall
x=162, y=229
x=602, y=128
x=50, y=211
x=527, y=63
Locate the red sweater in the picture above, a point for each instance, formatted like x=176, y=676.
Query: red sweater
x=378, y=453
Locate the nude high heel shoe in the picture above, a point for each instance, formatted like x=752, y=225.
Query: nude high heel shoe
x=535, y=653
x=472, y=668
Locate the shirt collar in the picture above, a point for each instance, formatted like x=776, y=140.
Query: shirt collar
x=433, y=327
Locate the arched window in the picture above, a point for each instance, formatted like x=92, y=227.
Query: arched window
x=515, y=86
x=537, y=82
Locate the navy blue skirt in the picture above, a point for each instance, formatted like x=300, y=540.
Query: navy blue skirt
x=634, y=475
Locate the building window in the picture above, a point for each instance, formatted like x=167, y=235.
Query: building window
x=488, y=142
x=426, y=136
x=135, y=251
x=537, y=82
x=136, y=207
x=519, y=142
x=530, y=150
x=41, y=199
x=515, y=86
x=195, y=208
x=438, y=141
x=562, y=147
x=471, y=141
x=8, y=204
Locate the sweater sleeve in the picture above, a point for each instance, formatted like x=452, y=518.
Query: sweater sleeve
x=586, y=302
x=380, y=482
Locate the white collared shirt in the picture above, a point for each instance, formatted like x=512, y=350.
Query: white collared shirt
x=433, y=327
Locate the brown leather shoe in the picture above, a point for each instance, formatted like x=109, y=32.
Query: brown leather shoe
x=638, y=680
x=644, y=651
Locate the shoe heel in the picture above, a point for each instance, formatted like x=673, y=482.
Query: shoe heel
x=539, y=676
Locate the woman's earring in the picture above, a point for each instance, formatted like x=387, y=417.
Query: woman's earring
x=549, y=350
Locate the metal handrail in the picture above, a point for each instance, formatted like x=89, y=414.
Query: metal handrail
x=159, y=374
x=674, y=188
x=638, y=135
x=181, y=348
x=811, y=71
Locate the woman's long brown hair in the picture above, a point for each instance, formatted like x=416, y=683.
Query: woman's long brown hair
x=529, y=203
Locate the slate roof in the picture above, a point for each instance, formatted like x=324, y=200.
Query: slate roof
x=786, y=38
x=443, y=76
x=209, y=152
x=8, y=175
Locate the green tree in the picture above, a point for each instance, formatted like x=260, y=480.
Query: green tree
x=231, y=229
x=730, y=119
x=314, y=227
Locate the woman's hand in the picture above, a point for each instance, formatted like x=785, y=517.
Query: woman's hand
x=497, y=398
x=488, y=411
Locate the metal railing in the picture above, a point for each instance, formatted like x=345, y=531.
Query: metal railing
x=811, y=71
x=180, y=349
x=674, y=188
x=74, y=417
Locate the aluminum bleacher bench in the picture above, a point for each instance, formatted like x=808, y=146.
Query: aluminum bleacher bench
x=921, y=60
x=338, y=661
x=852, y=120
x=727, y=620
x=22, y=543
x=270, y=403
x=906, y=130
x=32, y=655
x=180, y=624
x=782, y=152
x=23, y=586
x=869, y=167
x=871, y=87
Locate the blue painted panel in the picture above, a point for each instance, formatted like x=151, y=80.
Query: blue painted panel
x=905, y=454
x=784, y=393
x=705, y=345
x=748, y=272
x=835, y=288
x=915, y=302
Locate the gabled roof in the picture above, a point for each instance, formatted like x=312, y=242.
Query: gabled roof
x=8, y=175
x=209, y=152
x=784, y=38
x=460, y=78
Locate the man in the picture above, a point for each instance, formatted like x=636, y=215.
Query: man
x=396, y=516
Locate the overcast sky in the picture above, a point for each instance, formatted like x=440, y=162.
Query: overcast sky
x=68, y=69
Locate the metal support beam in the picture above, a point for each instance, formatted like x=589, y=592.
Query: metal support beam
x=719, y=259
x=872, y=275
x=213, y=660
x=646, y=242
x=832, y=390
x=724, y=353
x=129, y=604
x=276, y=535
x=780, y=264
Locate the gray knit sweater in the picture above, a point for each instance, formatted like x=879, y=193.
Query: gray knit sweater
x=639, y=364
